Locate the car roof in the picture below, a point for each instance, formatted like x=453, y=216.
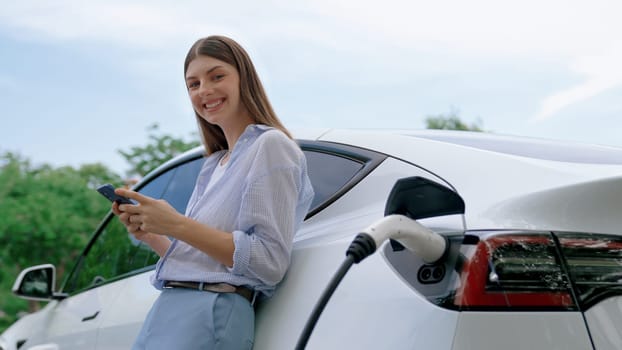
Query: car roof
x=539, y=148
x=506, y=181
x=500, y=187
x=531, y=147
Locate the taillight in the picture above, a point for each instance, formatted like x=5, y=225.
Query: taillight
x=513, y=272
x=594, y=264
x=517, y=271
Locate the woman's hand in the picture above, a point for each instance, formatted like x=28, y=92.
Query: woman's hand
x=159, y=218
x=148, y=216
x=133, y=228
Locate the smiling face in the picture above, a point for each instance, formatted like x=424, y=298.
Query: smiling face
x=214, y=89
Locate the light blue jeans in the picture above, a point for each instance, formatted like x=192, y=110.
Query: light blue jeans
x=192, y=319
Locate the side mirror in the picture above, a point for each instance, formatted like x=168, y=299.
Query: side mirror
x=420, y=198
x=36, y=283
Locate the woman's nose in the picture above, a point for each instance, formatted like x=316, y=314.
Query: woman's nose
x=205, y=89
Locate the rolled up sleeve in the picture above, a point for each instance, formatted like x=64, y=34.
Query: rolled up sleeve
x=268, y=222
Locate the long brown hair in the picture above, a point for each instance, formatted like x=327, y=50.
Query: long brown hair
x=252, y=93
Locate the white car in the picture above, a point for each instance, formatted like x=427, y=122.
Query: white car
x=530, y=235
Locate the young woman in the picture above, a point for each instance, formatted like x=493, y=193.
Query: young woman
x=234, y=242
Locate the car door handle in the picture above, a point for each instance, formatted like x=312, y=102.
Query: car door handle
x=88, y=318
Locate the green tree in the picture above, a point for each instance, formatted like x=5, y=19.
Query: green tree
x=161, y=147
x=450, y=121
x=47, y=216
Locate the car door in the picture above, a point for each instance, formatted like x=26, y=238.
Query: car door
x=98, y=279
x=123, y=319
x=72, y=323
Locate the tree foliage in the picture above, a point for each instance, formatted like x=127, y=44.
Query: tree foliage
x=161, y=147
x=47, y=216
x=450, y=121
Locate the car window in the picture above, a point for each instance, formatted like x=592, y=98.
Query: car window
x=180, y=188
x=329, y=173
x=115, y=253
x=335, y=168
x=156, y=187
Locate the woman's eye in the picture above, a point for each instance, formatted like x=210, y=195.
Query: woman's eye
x=218, y=77
x=193, y=84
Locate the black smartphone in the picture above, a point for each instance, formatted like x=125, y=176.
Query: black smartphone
x=107, y=191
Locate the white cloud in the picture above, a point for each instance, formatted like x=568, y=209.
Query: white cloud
x=482, y=27
x=601, y=72
x=70, y=20
x=564, y=32
x=143, y=24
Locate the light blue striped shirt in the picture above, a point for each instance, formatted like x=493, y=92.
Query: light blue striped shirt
x=262, y=198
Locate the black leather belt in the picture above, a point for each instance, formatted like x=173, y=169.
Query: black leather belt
x=213, y=287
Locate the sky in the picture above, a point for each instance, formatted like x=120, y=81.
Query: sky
x=81, y=80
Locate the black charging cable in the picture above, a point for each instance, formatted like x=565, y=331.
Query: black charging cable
x=361, y=247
